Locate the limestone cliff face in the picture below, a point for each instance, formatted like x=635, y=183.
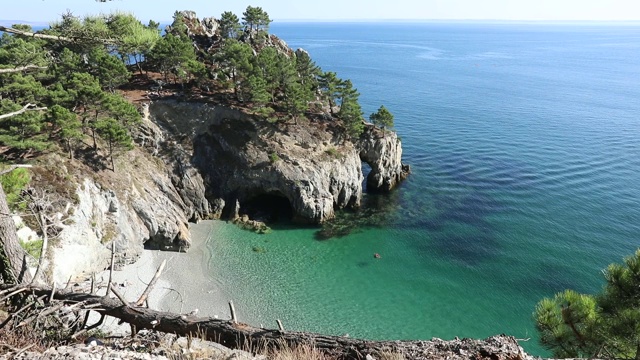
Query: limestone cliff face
x=197, y=161
x=382, y=150
x=148, y=201
x=241, y=157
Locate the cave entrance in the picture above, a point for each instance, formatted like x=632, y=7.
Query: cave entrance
x=269, y=208
x=366, y=169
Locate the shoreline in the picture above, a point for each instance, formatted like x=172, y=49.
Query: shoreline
x=185, y=285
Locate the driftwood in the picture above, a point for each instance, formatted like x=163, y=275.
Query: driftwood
x=238, y=335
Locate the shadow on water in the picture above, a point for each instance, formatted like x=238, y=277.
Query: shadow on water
x=459, y=225
x=460, y=229
x=456, y=225
x=376, y=211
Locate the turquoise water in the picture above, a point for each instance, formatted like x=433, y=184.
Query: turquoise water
x=524, y=141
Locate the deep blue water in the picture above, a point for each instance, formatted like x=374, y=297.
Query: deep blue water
x=524, y=141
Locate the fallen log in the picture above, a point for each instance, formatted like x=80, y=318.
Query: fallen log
x=243, y=336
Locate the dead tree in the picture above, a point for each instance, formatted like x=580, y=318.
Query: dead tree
x=239, y=335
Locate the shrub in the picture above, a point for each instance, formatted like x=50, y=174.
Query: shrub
x=333, y=152
x=13, y=183
x=34, y=247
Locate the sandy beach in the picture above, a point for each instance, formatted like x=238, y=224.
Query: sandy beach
x=186, y=284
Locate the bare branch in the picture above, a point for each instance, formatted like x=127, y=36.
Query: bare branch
x=152, y=283
x=113, y=258
x=51, y=37
x=119, y=295
x=28, y=107
x=22, y=68
x=43, y=250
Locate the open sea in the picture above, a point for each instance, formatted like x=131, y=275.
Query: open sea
x=524, y=141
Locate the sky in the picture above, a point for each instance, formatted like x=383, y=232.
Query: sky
x=162, y=10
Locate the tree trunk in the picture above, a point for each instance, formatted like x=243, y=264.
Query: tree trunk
x=13, y=259
x=247, y=337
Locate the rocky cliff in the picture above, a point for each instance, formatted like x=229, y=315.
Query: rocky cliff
x=198, y=160
x=243, y=158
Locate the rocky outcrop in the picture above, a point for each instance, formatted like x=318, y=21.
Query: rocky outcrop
x=205, y=32
x=242, y=158
x=148, y=202
x=382, y=150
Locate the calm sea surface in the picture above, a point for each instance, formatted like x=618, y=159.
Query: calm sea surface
x=524, y=142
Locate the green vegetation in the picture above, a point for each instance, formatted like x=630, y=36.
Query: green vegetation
x=333, y=152
x=273, y=157
x=229, y=25
x=255, y=17
x=68, y=91
x=382, y=118
x=59, y=87
x=33, y=248
x=605, y=325
x=13, y=183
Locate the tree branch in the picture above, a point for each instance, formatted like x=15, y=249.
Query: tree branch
x=52, y=37
x=152, y=283
x=22, y=68
x=28, y=107
x=34, y=35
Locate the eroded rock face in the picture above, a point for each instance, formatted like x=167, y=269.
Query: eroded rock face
x=199, y=161
x=139, y=206
x=241, y=157
x=382, y=150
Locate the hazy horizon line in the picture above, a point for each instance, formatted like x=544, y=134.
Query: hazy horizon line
x=7, y=22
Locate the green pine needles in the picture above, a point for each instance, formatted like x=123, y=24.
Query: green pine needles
x=605, y=325
x=58, y=87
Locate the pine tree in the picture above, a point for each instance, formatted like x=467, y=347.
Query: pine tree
x=267, y=63
x=133, y=38
x=229, y=25
x=297, y=99
x=351, y=115
x=236, y=59
x=258, y=87
x=66, y=127
x=255, y=17
x=116, y=136
x=382, y=118
x=173, y=54
x=329, y=84
x=24, y=132
x=605, y=325
x=109, y=70
x=307, y=69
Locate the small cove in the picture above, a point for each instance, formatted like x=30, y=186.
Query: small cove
x=524, y=146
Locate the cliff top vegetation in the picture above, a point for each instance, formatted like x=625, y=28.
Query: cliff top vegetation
x=72, y=87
